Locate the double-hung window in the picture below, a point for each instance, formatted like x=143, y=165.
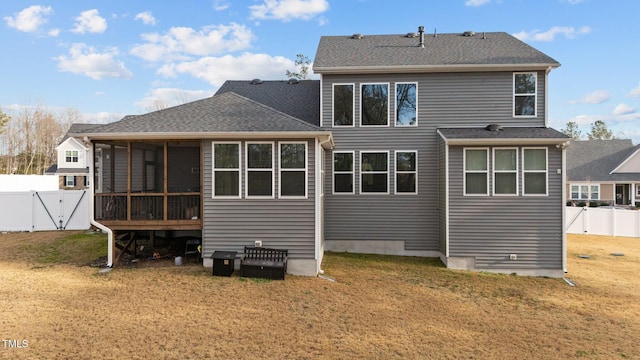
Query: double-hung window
x=505, y=171
x=374, y=105
x=535, y=171
x=226, y=169
x=343, y=101
x=343, y=172
x=524, y=94
x=476, y=172
x=293, y=169
x=71, y=156
x=374, y=172
x=259, y=168
x=406, y=172
x=70, y=181
x=406, y=104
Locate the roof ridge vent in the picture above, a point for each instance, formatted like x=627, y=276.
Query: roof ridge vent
x=412, y=35
x=292, y=81
x=357, y=36
x=256, y=82
x=493, y=127
x=468, y=33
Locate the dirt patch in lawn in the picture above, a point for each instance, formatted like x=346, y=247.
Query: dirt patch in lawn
x=378, y=307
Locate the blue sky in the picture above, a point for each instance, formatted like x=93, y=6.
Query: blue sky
x=111, y=58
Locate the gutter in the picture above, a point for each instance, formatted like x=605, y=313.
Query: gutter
x=432, y=68
x=92, y=219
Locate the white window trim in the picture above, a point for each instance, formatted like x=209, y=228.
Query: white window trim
x=396, y=172
x=352, y=172
x=66, y=181
x=247, y=170
x=580, y=185
x=494, y=171
x=388, y=172
x=213, y=170
x=514, y=95
x=464, y=168
x=353, y=105
x=395, y=105
x=281, y=170
x=388, y=104
x=71, y=156
x=546, y=171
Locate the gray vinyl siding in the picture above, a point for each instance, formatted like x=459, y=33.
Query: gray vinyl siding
x=490, y=228
x=231, y=224
x=444, y=100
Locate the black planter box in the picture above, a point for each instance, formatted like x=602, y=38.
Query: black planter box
x=223, y=262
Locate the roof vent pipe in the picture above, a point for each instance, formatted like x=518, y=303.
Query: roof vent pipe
x=421, y=33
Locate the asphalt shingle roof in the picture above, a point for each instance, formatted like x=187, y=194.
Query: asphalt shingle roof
x=223, y=113
x=300, y=99
x=76, y=128
x=376, y=51
x=504, y=134
x=593, y=160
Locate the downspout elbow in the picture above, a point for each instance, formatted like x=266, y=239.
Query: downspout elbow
x=92, y=211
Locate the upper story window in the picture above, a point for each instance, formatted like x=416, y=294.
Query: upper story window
x=374, y=106
x=374, y=172
x=293, y=169
x=535, y=171
x=71, y=156
x=406, y=172
x=524, y=94
x=476, y=173
x=226, y=169
x=343, y=173
x=406, y=104
x=505, y=171
x=585, y=192
x=259, y=178
x=343, y=100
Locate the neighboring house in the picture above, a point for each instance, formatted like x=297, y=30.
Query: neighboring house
x=396, y=150
x=603, y=172
x=73, y=164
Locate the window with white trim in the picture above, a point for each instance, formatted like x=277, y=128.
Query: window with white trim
x=293, y=169
x=259, y=169
x=524, y=94
x=374, y=172
x=534, y=171
x=343, y=174
x=71, y=156
x=343, y=104
x=585, y=192
x=406, y=104
x=226, y=169
x=70, y=181
x=505, y=171
x=374, y=105
x=406, y=172
x=476, y=171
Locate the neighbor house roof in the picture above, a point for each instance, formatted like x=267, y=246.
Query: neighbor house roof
x=497, y=135
x=76, y=128
x=594, y=160
x=298, y=98
x=226, y=114
x=441, y=52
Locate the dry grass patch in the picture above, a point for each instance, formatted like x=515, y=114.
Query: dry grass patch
x=379, y=307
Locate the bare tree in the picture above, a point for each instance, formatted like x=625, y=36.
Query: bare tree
x=572, y=130
x=599, y=131
x=302, y=68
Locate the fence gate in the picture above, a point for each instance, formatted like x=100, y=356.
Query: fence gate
x=44, y=210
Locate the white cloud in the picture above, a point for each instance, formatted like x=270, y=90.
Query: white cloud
x=215, y=70
x=53, y=32
x=287, y=10
x=623, y=109
x=85, y=60
x=146, y=17
x=90, y=21
x=101, y=117
x=596, y=97
x=221, y=5
x=569, y=32
x=180, y=43
x=168, y=97
x=635, y=92
x=476, y=3
x=29, y=19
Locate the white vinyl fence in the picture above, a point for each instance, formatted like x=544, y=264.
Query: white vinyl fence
x=597, y=221
x=44, y=210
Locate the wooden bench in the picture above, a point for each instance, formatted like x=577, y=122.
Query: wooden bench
x=260, y=262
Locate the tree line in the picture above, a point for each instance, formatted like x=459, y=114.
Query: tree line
x=599, y=131
x=29, y=136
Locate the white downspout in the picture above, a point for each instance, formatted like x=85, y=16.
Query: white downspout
x=564, y=208
x=92, y=210
x=319, y=209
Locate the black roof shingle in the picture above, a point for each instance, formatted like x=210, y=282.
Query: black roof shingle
x=593, y=160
